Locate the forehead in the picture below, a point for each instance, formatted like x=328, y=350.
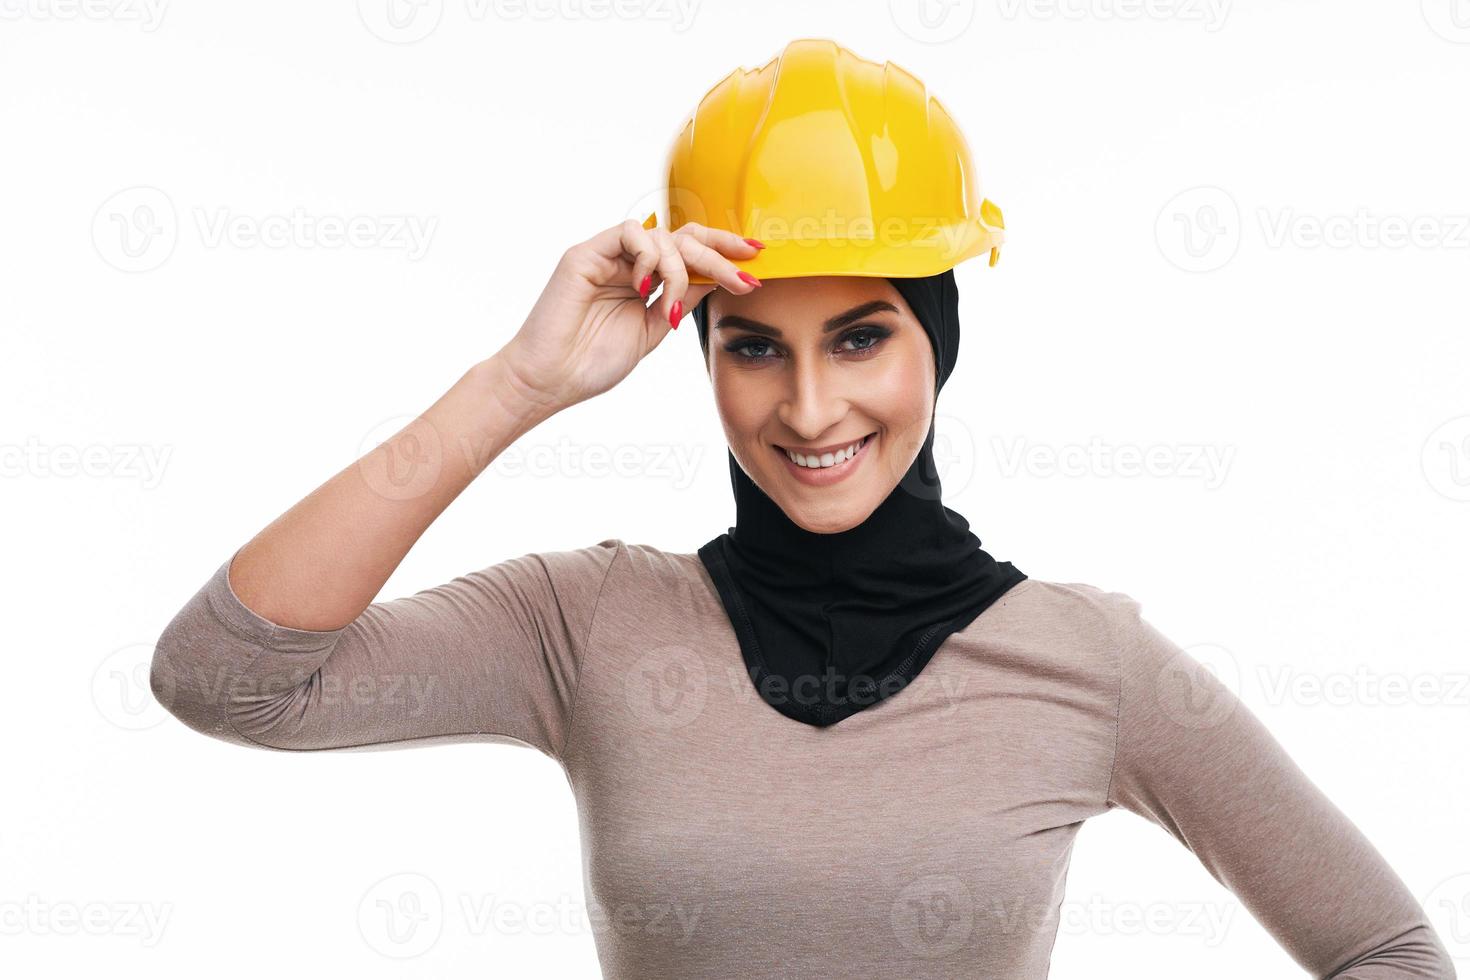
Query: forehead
x=806, y=302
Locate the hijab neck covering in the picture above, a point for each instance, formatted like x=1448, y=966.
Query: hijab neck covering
x=832, y=624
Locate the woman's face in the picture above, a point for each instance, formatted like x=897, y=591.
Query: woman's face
x=818, y=366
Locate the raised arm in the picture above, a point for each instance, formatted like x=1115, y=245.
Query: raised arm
x=281, y=647
x=1192, y=758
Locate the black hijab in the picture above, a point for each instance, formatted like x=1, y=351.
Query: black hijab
x=830, y=624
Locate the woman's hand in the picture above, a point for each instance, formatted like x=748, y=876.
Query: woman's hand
x=590, y=326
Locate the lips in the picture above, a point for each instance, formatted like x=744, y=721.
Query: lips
x=826, y=456
x=840, y=468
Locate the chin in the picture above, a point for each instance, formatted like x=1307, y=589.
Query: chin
x=819, y=510
x=828, y=518
x=833, y=528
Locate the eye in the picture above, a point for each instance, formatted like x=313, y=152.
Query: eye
x=865, y=338
x=749, y=348
x=861, y=339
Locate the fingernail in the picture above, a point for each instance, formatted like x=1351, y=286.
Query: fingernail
x=645, y=285
x=752, y=241
x=747, y=277
x=675, y=313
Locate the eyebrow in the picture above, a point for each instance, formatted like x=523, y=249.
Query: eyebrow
x=733, y=320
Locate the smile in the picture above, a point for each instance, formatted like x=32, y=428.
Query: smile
x=820, y=467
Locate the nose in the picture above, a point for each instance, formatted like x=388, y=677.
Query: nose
x=812, y=403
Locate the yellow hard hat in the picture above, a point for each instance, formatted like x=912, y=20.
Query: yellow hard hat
x=839, y=165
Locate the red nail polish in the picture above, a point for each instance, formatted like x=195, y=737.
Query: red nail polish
x=645, y=286
x=747, y=277
x=752, y=241
x=676, y=313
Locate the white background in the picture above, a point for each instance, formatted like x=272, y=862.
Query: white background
x=1297, y=365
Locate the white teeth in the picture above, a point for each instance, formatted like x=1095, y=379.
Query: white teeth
x=826, y=459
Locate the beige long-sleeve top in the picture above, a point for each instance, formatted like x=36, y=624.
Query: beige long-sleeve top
x=926, y=836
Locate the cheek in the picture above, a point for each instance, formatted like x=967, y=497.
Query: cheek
x=898, y=393
x=739, y=401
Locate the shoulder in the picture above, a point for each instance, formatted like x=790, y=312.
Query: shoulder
x=1155, y=675
x=1108, y=629
x=614, y=563
x=622, y=589
x=1070, y=608
x=561, y=576
x=566, y=565
x=1161, y=688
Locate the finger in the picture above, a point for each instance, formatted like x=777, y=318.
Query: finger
x=726, y=242
x=692, y=298
x=675, y=278
x=639, y=245
x=701, y=257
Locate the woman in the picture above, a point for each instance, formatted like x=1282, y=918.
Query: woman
x=929, y=727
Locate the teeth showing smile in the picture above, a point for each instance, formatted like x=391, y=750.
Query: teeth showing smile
x=827, y=459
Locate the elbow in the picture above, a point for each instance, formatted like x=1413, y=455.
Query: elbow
x=191, y=676
x=1419, y=952
x=227, y=673
x=173, y=679
x=1422, y=953
x=224, y=686
x=1438, y=962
